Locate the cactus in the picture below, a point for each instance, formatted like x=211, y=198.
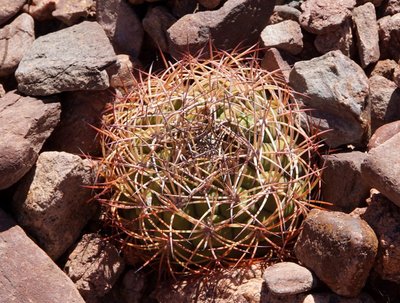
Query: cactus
x=206, y=164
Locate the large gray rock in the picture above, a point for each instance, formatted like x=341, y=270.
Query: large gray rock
x=121, y=24
x=71, y=59
x=52, y=202
x=15, y=40
x=94, y=266
x=9, y=9
x=236, y=22
x=364, y=19
x=389, y=37
x=381, y=170
x=336, y=90
x=384, y=99
x=285, y=35
x=342, y=184
x=25, y=124
x=339, y=249
x=27, y=274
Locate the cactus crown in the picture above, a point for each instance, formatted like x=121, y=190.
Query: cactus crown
x=207, y=164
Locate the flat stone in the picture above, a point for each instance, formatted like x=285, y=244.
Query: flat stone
x=384, y=133
x=27, y=274
x=288, y=278
x=15, y=40
x=122, y=26
x=380, y=169
x=94, y=266
x=385, y=68
x=384, y=101
x=71, y=12
x=277, y=62
x=51, y=202
x=384, y=218
x=236, y=22
x=25, y=124
x=156, y=23
x=336, y=89
x=285, y=35
x=340, y=39
x=364, y=20
x=9, y=9
x=342, y=184
x=389, y=37
x=323, y=16
x=40, y=10
x=339, y=249
x=71, y=59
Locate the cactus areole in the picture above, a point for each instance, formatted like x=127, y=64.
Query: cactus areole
x=206, y=164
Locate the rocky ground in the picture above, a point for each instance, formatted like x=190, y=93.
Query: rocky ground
x=62, y=61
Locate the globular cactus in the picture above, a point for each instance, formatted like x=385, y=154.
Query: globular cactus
x=207, y=165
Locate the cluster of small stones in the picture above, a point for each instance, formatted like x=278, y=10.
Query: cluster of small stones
x=63, y=61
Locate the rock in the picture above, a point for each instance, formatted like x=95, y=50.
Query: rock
x=277, y=62
x=384, y=101
x=51, y=202
x=385, y=68
x=71, y=59
x=156, y=22
x=336, y=90
x=384, y=133
x=94, y=266
x=389, y=37
x=323, y=16
x=384, y=218
x=380, y=169
x=339, y=249
x=15, y=40
x=40, y=10
x=2, y=91
x=133, y=286
x=209, y=4
x=364, y=19
x=71, y=12
x=391, y=7
x=396, y=75
x=342, y=182
x=242, y=285
x=179, y=8
x=285, y=36
x=27, y=274
x=284, y=12
x=26, y=123
x=9, y=9
x=236, y=22
x=341, y=39
x=122, y=26
x=288, y=278
x=123, y=73
x=324, y=297
x=81, y=112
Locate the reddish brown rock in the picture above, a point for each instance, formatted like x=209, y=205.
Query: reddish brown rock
x=284, y=12
x=209, y=4
x=277, y=62
x=339, y=249
x=364, y=19
x=384, y=133
x=9, y=9
x=285, y=36
x=40, y=10
x=389, y=37
x=385, y=68
x=391, y=7
x=72, y=12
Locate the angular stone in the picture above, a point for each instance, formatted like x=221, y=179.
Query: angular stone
x=71, y=59
x=25, y=124
x=323, y=16
x=340, y=39
x=81, y=112
x=94, y=266
x=339, y=249
x=288, y=278
x=71, y=12
x=364, y=19
x=384, y=100
x=156, y=23
x=285, y=36
x=336, y=90
x=40, y=10
x=342, y=184
x=15, y=40
x=384, y=218
x=391, y=7
x=122, y=26
x=9, y=9
x=277, y=62
x=389, y=37
x=384, y=133
x=385, y=68
x=284, y=12
x=380, y=169
x=236, y=22
x=51, y=202
x=26, y=272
